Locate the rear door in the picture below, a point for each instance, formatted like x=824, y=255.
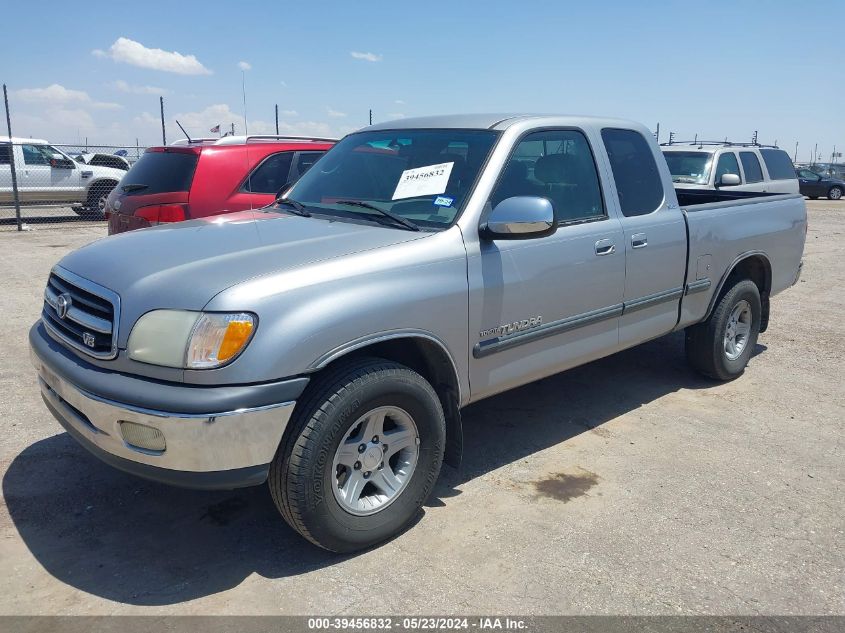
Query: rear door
x=655, y=237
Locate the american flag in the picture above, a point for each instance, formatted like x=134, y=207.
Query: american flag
x=216, y=129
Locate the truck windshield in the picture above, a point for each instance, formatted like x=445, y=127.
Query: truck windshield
x=424, y=176
x=689, y=167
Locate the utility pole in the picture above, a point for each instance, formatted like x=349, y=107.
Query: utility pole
x=233, y=129
x=795, y=159
x=371, y=116
x=277, y=119
x=12, y=161
x=657, y=133
x=815, y=153
x=163, y=135
x=671, y=137
x=243, y=90
x=754, y=138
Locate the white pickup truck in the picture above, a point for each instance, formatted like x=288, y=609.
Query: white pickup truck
x=327, y=343
x=46, y=175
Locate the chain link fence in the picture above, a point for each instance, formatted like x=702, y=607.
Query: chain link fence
x=43, y=183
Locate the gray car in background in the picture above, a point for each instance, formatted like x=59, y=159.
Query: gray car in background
x=327, y=344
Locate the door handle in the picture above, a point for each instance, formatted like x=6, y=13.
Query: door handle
x=605, y=247
x=639, y=240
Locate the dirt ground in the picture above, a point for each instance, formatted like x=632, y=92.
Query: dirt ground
x=629, y=485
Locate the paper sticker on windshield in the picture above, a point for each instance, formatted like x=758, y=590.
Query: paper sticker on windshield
x=443, y=201
x=423, y=181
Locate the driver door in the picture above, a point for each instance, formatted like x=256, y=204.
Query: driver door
x=541, y=305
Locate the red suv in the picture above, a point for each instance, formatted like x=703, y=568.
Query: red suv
x=208, y=177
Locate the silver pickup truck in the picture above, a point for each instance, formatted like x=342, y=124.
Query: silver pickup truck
x=326, y=344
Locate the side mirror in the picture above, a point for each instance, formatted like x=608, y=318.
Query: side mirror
x=284, y=189
x=60, y=162
x=520, y=218
x=729, y=180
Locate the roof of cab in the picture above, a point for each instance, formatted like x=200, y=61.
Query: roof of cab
x=18, y=139
x=490, y=121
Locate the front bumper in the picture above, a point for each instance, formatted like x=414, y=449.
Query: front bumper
x=212, y=450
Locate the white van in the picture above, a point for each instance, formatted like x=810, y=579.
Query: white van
x=741, y=167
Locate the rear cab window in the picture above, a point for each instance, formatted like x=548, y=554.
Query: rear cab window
x=634, y=170
x=778, y=164
x=161, y=172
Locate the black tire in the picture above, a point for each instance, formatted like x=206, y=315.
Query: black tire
x=834, y=193
x=301, y=475
x=94, y=208
x=705, y=341
x=813, y=197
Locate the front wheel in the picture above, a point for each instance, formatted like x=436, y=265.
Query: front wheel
x=721, y=346
x=835, y=193
x=95, y=206
x=362, y=454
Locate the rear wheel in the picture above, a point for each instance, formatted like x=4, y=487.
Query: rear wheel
x=721, y=346
x=362, y=454
x=835, y=193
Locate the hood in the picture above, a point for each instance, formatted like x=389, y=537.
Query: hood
x=98, y=171
x=184, y=265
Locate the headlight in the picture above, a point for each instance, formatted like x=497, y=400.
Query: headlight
x=190, y=340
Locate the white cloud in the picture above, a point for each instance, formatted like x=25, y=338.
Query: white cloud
x=288, y=112
x=396, y=115
x=335, y=114
x=367, y=57
x=136, y=54
x=399, y=102
x=244, y=65
x=56, y=94
x=123, y=86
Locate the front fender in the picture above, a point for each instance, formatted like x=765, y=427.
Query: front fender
x=311, y=315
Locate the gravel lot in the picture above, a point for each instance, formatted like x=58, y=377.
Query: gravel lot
x=629, y=485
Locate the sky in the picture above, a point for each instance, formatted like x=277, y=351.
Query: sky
x=713, y=69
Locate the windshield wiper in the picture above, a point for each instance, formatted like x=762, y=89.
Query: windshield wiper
x=133, y=187
x=297, y=208
x=398, y=219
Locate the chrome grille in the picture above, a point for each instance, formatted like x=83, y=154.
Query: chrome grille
x=81, y=314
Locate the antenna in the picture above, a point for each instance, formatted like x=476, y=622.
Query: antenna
x=183, y=130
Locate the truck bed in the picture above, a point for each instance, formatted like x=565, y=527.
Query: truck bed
x=725, y=227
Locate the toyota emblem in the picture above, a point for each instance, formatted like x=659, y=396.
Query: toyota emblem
x=63, y=302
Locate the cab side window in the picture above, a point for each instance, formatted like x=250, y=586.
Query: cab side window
x=727, y=165
x=751, y=165
x=33, y=155
x=271, y=175
x=634, y=171
x=558, y=165
x=5, y=154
